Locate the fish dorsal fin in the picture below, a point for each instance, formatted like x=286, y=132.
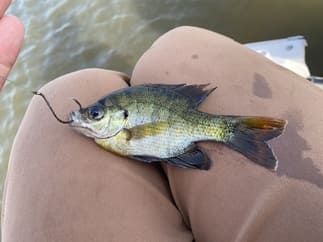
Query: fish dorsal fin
x=193, y=94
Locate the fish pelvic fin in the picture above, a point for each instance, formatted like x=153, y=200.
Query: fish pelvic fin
x=250, y=138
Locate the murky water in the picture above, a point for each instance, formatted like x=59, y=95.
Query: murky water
x=63, y=36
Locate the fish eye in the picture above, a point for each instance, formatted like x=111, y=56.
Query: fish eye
x=96, y=113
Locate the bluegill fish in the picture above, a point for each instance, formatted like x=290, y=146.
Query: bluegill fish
x=161, y=123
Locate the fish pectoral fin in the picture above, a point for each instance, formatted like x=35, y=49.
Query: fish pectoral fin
x=194, y=158
x=127, y=134
x=148, y=129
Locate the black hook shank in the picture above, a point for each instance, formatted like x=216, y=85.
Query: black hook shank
x=52, y=110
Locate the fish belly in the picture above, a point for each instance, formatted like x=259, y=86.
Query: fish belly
x=162, y=146
x=165, y=143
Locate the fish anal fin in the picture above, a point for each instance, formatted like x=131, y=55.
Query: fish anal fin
x=194, y=158
x=145, y=158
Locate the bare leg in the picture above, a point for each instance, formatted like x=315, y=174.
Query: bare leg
x=62, y=187
x=238, y=200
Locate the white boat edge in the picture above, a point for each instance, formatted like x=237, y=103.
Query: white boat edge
x=288, y=52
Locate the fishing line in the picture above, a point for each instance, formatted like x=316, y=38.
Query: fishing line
x=5, y=80
x=52, y=110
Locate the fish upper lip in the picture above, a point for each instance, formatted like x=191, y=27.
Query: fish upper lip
x=76, y=122
x=74, y=118
x=72, y=115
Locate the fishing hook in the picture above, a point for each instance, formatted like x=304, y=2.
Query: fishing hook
x=77, y=102
x=52, y=110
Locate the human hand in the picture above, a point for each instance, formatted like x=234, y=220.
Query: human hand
x=11, y=35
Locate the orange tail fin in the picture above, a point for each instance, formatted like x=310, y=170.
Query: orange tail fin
x=251, y=136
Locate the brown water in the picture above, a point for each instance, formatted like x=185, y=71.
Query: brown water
x=63, y=36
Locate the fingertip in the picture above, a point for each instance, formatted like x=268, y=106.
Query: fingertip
x=11, y=36
x=15, y=22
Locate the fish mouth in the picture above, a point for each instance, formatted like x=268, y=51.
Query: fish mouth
x=84, y=127
x=81, y=126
